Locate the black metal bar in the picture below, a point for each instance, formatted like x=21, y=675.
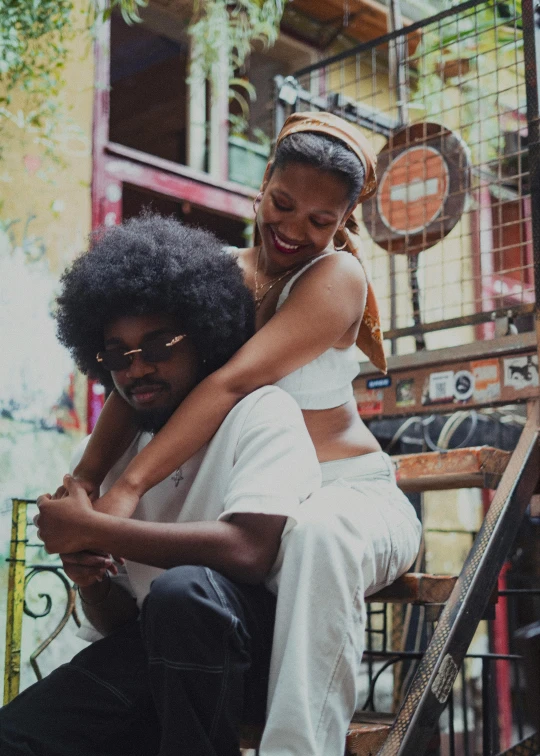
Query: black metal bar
x=428, y=694
x=531, y=43
x=364, y=46
x=465, y=713
x=356, y=112
x=451, y=731
x=385, y=627
x=475, y=319
x=369, y=646
x=420, y=655
x=400, y=55
x=520, y=708
x=370, y=700
x=486, y=708
x=412, y=266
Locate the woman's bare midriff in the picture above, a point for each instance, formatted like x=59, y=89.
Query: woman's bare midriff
x=339, y=433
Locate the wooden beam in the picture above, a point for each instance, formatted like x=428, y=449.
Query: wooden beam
x=366, y=734
x=476, y=350
x=473, y=467
x=367, y=19
x=416, y=588
x=178, y=182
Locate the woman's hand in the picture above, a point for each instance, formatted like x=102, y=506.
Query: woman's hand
x=63, y=523
x=87, y=567
x=90, y=486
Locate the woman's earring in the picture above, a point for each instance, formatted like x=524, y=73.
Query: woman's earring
x=346, y=235
x=257, y=202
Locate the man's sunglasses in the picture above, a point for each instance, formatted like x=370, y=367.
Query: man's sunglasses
x=157, y=350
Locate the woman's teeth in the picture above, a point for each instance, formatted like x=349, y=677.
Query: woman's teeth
x=290, y=247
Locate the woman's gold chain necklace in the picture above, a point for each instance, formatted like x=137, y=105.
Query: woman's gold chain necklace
x=269, y=285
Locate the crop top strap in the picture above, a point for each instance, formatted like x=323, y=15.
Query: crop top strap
x=290, y=283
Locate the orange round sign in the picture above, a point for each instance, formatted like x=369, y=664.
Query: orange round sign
x=413, y=190
x=424, y=177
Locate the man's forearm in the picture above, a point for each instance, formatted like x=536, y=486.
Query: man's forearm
x=107, y=606
x=242, y=554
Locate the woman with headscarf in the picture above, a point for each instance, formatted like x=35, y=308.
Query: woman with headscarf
x=314, y=305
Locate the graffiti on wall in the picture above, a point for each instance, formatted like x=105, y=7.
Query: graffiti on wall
x=38, y=416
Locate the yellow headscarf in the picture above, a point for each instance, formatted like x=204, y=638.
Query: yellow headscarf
x=370, y=337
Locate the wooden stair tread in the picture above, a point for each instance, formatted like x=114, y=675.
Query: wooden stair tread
x=366, y=734
x=416, y=588
x=472, y=467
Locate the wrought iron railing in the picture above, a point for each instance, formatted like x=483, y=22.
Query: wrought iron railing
x=21, y=572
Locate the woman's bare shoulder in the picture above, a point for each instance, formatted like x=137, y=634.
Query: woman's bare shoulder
x=334, y=269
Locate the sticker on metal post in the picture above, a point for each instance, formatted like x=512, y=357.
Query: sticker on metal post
x=463, y=385
x=440, y=388
x=379, y=383
x=405, y=396
x=369, y=402
x=443, y=682
x=487, y=383
x=521, y=372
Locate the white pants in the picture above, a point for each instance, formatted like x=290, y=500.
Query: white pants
x=354, y=536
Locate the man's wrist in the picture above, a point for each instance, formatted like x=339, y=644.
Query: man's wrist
x=96, y=593
x=83, y=472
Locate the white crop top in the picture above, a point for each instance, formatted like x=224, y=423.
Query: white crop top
x=326, y=381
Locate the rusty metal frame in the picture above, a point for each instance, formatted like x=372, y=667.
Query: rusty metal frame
x=432, y=683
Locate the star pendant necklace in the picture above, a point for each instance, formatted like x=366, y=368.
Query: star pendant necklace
x=176, y=476
x=260, y=292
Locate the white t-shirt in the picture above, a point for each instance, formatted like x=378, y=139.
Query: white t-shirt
x=260, y=461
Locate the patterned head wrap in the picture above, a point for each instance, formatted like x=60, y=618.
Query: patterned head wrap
x=370, y=337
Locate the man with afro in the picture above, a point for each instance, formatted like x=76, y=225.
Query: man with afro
x=182, y=619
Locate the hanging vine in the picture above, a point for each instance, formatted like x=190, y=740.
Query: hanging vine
x=233, y=24
x=35, y=37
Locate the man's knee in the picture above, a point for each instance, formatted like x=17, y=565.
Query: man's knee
x=187, y=599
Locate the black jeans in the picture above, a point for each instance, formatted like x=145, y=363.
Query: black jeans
x=176, y=683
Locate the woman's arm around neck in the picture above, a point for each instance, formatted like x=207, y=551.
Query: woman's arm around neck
x=323, y=306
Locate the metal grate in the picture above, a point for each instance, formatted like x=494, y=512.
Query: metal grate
x=458, y=229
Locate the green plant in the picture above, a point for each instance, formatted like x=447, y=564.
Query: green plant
x=34, y=44
x=34, y=41
x=232, y=25
x=33, y=48
x=226, y=29
x=239, y=121
x=461, y=62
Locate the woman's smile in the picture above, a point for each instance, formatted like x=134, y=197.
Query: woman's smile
x=283, y=246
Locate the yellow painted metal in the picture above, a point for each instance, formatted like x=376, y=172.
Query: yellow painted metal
x=15, y=599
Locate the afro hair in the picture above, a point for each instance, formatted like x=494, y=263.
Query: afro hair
x=155, y=265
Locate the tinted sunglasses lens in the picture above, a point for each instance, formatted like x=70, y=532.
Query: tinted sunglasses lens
x=156, y=352
x=114, y=360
